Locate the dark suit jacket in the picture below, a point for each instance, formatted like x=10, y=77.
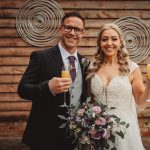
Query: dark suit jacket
x=43, y=123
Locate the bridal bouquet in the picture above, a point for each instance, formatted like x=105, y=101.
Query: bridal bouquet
x=91, y=125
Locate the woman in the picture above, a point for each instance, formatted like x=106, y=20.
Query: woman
x=117, y=82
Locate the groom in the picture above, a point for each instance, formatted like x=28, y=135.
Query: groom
x=43, y=85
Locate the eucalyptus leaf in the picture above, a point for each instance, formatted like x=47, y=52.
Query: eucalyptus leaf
x=63, y=125
x=114, y=116
x=112, y=138
x=114, y=148
x=121, y=134
x=112, y=108
x=122, y=123
x=62, y=117
x=105, y=144
x=127, y=126
x=75, y=139
x=117, y=120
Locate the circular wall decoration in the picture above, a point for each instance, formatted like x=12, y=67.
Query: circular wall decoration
x=37, y=22
x=137, y=37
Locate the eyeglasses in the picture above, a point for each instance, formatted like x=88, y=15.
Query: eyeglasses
x=77, y=30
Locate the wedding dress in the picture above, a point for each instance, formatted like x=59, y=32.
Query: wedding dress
x=118, y=94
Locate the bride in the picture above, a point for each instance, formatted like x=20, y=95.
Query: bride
x=117, y=82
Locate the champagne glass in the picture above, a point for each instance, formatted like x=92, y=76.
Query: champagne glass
x=148, y=75
x=148, y=71
x=65, y=73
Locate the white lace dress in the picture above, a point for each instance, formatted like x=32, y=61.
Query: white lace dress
x=119, y=94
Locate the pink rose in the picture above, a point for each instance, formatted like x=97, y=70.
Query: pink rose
x=100, y=121
x=96, y=109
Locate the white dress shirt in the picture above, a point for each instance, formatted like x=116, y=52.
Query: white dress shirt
x=65, y=54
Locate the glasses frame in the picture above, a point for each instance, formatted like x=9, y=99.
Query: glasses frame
x=69, y=28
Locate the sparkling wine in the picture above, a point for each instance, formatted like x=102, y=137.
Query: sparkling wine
x=148, y=70
x=65, y=74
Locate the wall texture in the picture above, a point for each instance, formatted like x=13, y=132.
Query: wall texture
x=15, y=52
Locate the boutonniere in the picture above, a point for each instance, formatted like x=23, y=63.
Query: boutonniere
x=85, y=63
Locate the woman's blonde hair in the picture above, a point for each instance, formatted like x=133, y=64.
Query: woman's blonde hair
x=123, y=57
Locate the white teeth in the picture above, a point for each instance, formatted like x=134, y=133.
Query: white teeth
x=71, y=39
x=109, y=49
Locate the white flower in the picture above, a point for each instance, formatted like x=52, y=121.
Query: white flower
x=85, y=62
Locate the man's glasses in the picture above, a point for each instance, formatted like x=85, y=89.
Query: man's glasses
x=77, y=30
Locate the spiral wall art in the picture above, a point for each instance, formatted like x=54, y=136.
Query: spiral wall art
x=38, y=21
x=137, y=37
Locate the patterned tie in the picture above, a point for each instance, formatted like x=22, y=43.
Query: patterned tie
x=73, y=68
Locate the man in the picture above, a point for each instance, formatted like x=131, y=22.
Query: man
x=43, y=85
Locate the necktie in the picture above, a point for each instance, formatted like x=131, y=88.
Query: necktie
x=73, y=68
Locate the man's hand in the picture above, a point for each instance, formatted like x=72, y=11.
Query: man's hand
x=59, y=85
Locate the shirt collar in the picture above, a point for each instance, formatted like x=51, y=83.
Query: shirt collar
x=65, y=54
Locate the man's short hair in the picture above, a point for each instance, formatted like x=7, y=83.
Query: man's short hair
x=72, y=14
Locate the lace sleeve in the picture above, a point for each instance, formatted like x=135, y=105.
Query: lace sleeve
x=133, y=66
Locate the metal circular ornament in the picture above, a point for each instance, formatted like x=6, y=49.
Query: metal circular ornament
x=137, y=37
x=38, y=22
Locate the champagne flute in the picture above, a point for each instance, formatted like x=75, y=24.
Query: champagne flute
x=65, y=73
x=148, y=75
x=148, y=71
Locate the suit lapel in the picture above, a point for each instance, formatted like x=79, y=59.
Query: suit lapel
x=80, y=61
x=58, y=59
x=84, y=90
